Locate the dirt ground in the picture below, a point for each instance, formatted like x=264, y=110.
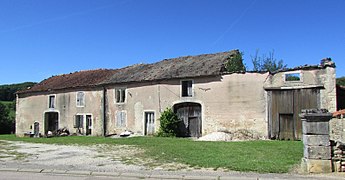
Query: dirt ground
x=101, y=158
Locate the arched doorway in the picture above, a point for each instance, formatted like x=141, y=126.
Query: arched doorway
x=190, y=116
x=51, y=122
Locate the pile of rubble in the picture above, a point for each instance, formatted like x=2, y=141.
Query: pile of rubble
x=239, y=135
x=60, y=132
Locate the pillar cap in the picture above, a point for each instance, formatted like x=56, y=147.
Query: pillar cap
x=315, y=115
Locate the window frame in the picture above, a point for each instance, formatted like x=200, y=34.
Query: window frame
x=123, y=122
x=293, y=72
x=49, y=101
x=123, y=95
x=191, y=88
x=80, y=124
x=145, y=113
x=82, y=102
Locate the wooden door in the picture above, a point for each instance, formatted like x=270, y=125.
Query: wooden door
x=190, y=116
x=286, y=127
x=284, y=109
x=194, y=127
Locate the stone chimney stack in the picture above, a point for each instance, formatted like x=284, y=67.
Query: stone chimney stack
x=327, y=62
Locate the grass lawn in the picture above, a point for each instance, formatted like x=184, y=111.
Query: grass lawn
x=258, y=156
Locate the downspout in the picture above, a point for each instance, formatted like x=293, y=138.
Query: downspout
x=104, y=109
x=159, y=98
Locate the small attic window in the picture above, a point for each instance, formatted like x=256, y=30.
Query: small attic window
x=187, y=88
x=120, y=95
x=293, y=77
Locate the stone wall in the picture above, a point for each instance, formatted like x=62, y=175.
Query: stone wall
x=229, y=103
x=337, y=129
x=338, y=156
x=329, y=94
x=31, y=109
x=337, y=134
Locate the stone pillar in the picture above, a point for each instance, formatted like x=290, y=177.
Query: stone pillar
x=317, y=149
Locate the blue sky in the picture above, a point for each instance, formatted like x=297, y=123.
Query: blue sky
x=40, y=38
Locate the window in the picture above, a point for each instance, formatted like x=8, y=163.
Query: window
x=293, y=77
x=80, y=99
x=149, y=123
x=120, y=95
x=187, y=88
x=78, y=123
x=121, y=119
x=51, y=103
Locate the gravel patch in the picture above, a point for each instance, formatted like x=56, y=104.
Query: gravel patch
x=49, y=156
x=98, y=158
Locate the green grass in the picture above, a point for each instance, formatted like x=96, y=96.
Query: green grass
x=257, y=156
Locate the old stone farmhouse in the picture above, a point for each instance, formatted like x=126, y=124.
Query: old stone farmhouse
x=198, y=88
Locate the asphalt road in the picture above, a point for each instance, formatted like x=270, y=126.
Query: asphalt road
x=45, y=176
x=19, y=175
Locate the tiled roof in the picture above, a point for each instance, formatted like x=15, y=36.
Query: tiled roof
x=340, y=112
x=182, y=67
x=326, y=62
x=72, y=80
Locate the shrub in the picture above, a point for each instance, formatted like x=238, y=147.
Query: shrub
x=168, y=124
x=235, y=63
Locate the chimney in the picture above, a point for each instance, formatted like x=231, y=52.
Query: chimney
x=327, y=62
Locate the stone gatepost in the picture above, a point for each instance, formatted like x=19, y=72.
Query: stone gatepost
x=317, y=149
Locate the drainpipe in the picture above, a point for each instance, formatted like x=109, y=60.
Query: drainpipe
x=104, y=111
x=159, y=98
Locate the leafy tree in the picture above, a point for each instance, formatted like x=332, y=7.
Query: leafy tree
x=341, y=81
x=267, y=63
x=6, y=125
x=7, y=108
x=7, y=92
x=235, y=63
x=168, y=124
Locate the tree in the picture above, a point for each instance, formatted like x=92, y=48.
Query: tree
x=235, y=63
x=341, y=81
x=168, y=124
x=6, y=125
x=7, y=92
x=265, y=63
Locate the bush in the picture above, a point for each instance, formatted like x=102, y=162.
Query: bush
x=168, y=124
x=235, y=63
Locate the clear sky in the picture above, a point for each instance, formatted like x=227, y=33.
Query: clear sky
x=42, y=38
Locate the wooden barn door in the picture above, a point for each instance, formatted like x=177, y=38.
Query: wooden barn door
x=286, y=127
x=285, y=106
x=190, y=116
